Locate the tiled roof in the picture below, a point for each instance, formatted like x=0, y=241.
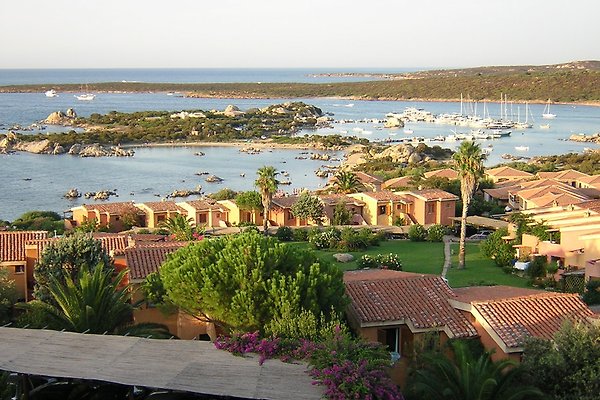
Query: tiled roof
x=146, y=237
x=402, y=181
x=569, y=174
x=158, y=206
x=500, y=172
x=434, y=194
x=443, y=173
x=112, y=242
x=498, y=193
x=486, y=293
x=419, y=301
x=593, y=180
x=333, y=199
x=143, y=261
x=205, y=205
x=386, y=195
x=552, y=199
x=366, y=178
x=285, y=201
x=592, y=205
x=113, y=208
x=539, y=315
x=12, y=243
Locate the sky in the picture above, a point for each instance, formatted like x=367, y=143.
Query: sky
x=296, y=34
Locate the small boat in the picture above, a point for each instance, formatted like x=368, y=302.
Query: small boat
x=51, y=93
x=86, y=97
x=522, y=148
x=408, y=131
x=547, y=114
x=545, y=126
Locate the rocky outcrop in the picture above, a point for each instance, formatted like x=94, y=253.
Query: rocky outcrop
x=185, y=193
x=401, y=153
x=73, y=193
x=594, y=138
x=232, y=111
x=97, y=150
x=7, y=144
x=101, y=195
x=214, y=179
x=61, y=118
x=393, y=122
x=38, y=147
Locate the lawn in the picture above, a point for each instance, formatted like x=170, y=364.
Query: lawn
x=428, y=258
x=479, y=270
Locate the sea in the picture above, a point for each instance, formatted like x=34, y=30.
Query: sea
x=38, y=182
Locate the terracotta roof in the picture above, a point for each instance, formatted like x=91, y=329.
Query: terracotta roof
x=433, y=194
x=498, y=193
x=539, y=315
x=158, y=206
x=386, y=195
x=147, y=237
x=486, y=293
x=442, y=173
x=593, y=180
x=376, y=274
x=592, y=205
x=205, y=205
x=333, y=199
x=500, y=172
x=113, y=208
x=112, y=242
x=284, y=201
x=552, y=199
x=402, y=181
x=569, y=174
x=420, y=301
x=12, y=243
x=366, y=178
x=143, y=261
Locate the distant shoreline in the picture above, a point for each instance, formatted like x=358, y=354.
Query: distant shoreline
x=257, y=145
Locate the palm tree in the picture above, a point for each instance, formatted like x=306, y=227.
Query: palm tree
x=469, y=163
x=346, y=182
x=267, y=186
x=469, y=378
x=95, y=302
x=180, y=227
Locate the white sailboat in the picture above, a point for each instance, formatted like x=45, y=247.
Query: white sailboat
x=51, y=93
x=86, y=96
x=547, y=114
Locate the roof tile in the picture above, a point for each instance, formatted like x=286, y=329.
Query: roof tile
x=145, y=260
x=12, y=243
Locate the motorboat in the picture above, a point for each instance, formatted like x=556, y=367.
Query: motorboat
x=86, y=97
x=545, y=126
x=522, y=148
x=51, y=93
x=409, y=131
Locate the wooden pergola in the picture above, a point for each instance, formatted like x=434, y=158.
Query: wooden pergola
x=182, y=365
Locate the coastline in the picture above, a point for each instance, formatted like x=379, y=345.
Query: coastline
x=248, y=144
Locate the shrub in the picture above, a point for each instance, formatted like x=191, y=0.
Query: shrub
x=592, y=292
x=537, y=267
x=284, y=234
x=417, y=233
x=381, y=261
x=327, y=239
x=436, y=233
x=300, y=235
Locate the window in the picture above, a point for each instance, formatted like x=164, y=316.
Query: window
x=430, y=208
x=391, y=339
x=202, y=218
x=19, y=269
x=382, y=210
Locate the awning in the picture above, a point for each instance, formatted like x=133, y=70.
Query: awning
x=184, y=365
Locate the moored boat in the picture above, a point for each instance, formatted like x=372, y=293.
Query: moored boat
x=51, y=93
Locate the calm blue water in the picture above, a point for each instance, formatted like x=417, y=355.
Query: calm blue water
x=158, y=171
x=182, y=75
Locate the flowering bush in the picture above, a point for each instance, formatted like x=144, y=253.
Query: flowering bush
x=381, y=261
x=347, y=367
x=327, y=239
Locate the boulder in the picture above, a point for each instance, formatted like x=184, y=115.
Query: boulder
x=38, y=147
x=71, y=113
x=73, y=193
x=393, y=122
x=232, y=111
x=55, y=118
x=75, y=149
x=414, y=158
x=58, y=149
x=398, y=153
x=8, y=142
x=343, y=257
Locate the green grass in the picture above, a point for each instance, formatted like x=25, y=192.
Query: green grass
x=428, y=258
x=479, y=270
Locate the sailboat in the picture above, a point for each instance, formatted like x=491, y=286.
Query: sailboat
x=51, y=93
x=547, y=114
x=86, y=96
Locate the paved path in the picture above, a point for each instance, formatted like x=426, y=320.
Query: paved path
x=448, y=240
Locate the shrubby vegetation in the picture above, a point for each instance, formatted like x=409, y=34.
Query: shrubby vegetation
x=568, y=366
x=417, y=233
x=39, y=221
x=244, y=282
x=381, y=261
x=346, y=239
x=8, y=296
x=497, y=249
